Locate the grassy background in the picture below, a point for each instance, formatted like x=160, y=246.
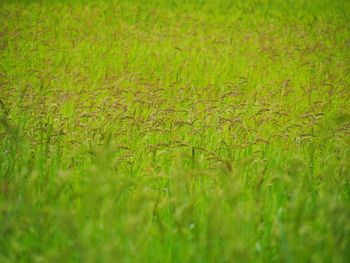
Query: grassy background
x=175, y=131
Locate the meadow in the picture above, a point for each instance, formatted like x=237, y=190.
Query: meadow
x=175, y=131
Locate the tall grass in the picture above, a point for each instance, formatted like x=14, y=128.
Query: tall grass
x=175, y=131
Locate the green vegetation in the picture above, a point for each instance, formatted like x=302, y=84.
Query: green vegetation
x=175, y=131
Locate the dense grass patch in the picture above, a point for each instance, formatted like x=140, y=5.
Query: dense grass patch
x=175, y=131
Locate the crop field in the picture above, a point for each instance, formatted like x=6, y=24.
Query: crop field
x=175, y=131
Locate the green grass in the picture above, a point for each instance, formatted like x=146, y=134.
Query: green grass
x=175, y=131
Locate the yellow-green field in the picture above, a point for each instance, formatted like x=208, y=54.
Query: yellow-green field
x=175, y=131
